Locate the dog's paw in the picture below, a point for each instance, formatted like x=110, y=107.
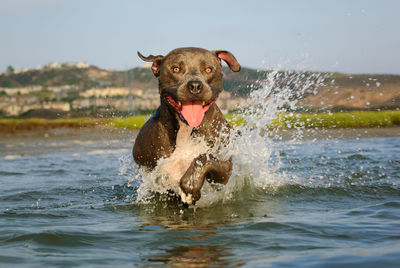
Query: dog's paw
x=186, y=198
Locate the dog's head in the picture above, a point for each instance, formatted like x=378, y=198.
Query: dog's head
x=190, y=80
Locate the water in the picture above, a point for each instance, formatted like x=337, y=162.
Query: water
x=65, y=200
x=296, y=198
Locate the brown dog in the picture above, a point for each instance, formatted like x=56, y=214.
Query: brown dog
x=183, y=136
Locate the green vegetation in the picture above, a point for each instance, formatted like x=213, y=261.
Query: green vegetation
x=14, y=125
x=332, y=120
x=71, y=96
x=319, y=120
x=340, y=120
x=5, y=83
x=43, y=95
x=10, y=69
x=132, y=122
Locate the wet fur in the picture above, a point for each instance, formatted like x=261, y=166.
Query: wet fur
x=186, y=155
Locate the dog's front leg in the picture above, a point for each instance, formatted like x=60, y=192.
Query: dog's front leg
x=203, y=167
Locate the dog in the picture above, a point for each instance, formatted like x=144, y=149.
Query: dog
x=184, y=135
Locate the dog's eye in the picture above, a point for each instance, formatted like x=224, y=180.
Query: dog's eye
x=208, y=70
x=176, y=69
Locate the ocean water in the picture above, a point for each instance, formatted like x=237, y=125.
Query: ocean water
x=298, y=197
x=68, y=199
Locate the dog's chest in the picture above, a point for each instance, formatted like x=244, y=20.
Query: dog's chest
x=187, y=148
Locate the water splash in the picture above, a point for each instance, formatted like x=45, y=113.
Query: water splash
x=252, y=146
x=256, y=160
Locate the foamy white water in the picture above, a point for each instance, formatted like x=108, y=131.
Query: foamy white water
x=252, y=147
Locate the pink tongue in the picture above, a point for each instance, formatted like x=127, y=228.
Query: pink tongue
x=193, y=113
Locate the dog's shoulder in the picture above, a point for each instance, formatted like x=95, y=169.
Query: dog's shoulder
x=154, y=141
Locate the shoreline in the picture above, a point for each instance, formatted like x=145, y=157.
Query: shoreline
x=344, y=120
x=128, y=135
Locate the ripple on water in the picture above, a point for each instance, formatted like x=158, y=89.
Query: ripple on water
x=357, y=157
x=57, y=239
x=11, y=173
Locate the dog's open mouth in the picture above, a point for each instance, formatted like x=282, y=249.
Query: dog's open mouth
x=192, y=112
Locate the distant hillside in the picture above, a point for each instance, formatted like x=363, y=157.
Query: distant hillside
x=356, y=92
x=341, y=91
x=85, y=78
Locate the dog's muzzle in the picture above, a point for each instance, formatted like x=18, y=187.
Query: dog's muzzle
x=195, y=87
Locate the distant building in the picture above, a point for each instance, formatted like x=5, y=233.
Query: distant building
x=57, y=105
x=16, y=105
x=21, y=90
x=53, y=65
x=78, y=64
x=110, y=92
x=23, y=70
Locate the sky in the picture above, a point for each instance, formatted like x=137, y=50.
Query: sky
x=321, y=35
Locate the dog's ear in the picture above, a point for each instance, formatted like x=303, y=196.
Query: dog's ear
x=156, y=60
x=228, y=58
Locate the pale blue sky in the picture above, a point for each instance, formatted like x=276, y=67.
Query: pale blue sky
x=335, y=35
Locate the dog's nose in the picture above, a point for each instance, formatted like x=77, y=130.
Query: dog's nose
x=195, y=86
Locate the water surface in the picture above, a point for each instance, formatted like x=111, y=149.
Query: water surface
x=68, y=199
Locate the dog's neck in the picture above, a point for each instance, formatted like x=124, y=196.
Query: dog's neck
x=168, y=116
x=184, y=134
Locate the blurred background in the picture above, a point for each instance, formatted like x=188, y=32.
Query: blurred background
x=76, y=57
